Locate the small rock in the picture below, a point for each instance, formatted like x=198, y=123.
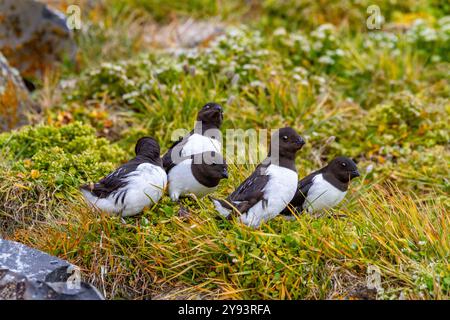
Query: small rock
x=363, y=293
x=15, y=286
x=33, y=36
x=14, y=97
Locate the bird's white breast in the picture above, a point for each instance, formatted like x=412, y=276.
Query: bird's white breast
x=183, y=182
x=144, y=187
x=279, y=191
x=198, y=143
x=322, y=195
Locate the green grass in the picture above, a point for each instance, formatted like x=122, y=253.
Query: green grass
x=383, y=100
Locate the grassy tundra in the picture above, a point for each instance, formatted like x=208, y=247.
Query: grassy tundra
x=379, y=96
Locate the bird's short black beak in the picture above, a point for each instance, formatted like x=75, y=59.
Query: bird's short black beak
x=301, y=142
x=217, y=108
x=354, y=174
x=225, y=174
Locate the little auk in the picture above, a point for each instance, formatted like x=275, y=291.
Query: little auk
x=198, y=175
x=267, y=191
x=133, y=186
x=324, y=188
x=204, y=137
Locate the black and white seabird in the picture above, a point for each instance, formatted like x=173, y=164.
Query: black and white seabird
x=133, y=186
x=272, y=185
x=197, y=174
x=324, y=188
x=205, y=136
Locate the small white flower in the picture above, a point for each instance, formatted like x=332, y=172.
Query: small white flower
x=280, y=32
x=340, y=52
x=212, y=62
x=319, y=80
x=235, y=32
x=256, y=83
x=300, y=70
x=317, y=45
x=250, y=67
x=261, y=53
x=326, y=60
x=428, y=34
x=130, y=95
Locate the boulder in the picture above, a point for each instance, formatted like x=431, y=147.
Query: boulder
x=14, y=97
x=30, y=274
x=33, y=37
x=188, y=34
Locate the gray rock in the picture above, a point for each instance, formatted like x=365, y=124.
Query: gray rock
x=33, y=36
x=30, y=274
x=15, y=286
x=34, y=264
x=14, y=98
x=188, y=34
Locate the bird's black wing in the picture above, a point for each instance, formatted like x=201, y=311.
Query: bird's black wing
x=251, y=191
x=113, y=181
x=168, y=162
x=300, y=195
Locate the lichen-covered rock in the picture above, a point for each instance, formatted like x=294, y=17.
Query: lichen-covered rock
x=14, y=98
x=33, y=36
x=29, y=274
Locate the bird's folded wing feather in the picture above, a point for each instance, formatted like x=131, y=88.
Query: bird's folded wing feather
x=113, y=181
x=300, y=195
x=251, y=191
x=168, y=162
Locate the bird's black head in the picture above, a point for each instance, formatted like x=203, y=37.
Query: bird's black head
x=209, y=168
x=147, y=147
x=288, y=142
x=343, y=168
x=211, y=115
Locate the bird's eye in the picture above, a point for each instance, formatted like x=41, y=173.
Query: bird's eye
x=285, y=138
x=343, y=164
x=207, y=107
